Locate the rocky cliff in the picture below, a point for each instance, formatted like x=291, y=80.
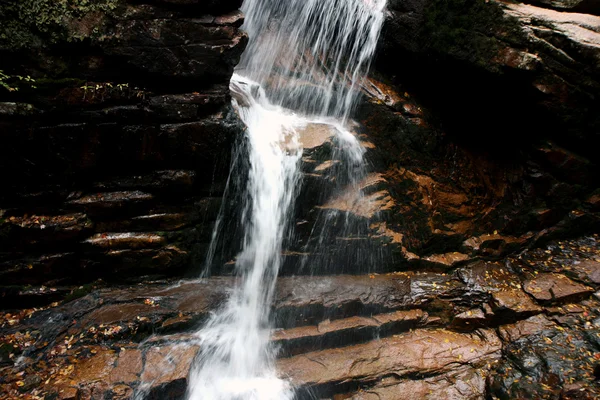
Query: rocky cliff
x=481, y=126
x=116, y=153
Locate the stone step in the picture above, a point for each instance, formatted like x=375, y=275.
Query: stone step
x=479, y=294
x=326, y=335
x=346, y=331
x=299, y=301
x=419, y=353
x=161, y=370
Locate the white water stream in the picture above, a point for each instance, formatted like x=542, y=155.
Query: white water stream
x=303, y=63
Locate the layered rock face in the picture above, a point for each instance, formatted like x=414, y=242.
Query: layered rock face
x=481, y=128
x=481, y=125
x=527, y=327
x=115, y=162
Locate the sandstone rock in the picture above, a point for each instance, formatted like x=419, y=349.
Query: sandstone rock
x=69, y=393
x=448, y=259
x=94, y=369
x=335, y=296
x=493, y=245
x=114, y=313
x=469, y=320
x=343, y=331
x=515, y=301
x=122, y=392
x=128, y=367
x=144, y=116
x=488, y=275
x=166, y=370
x=530, y=326
x=588, y=270
x=315, y=135
x=555, y=288
x=418, y=352
x=125, y=240
x=549, y=354
x=570, y=5
x=464, y=384
x=352, y=200
x=37, y=270
x=549, y=51
x=105, y=203
x=163, y=221
x=28, y=233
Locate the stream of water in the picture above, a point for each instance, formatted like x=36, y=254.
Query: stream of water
x=303, y=64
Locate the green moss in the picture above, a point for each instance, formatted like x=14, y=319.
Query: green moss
x=53, y=84
x=29, y=23
x=79, y=292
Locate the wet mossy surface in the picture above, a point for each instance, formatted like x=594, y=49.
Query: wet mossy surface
x=37, y=23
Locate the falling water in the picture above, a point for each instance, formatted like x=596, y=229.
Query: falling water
x=303, y=63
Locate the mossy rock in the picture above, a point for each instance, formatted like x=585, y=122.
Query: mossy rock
x=467, y=30
x=79, y=292
x=33, y=23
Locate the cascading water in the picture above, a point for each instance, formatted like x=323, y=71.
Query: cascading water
x=302, y=66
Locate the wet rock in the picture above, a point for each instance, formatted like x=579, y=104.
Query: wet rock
x=109, y=203
x=352, y=200
x=128, y=367
x=447, y=260
x=113, y=313
x=134, y=265
x=502, y=287
x=103, y=122
x=315, y=135
x=493, y=245
x=529, y=326
x=555, y=288
x=419, y=352
x=167, y=370
x=17, y=109
x=469, y=320
x=465, y=383
x=13, y=297
x=588, y=270
x=38, y=270
x=389, y=335
x=30, y=382
x=96, y=368
x=210, y=49
x=161, y=180
x=514, y=301
x=68, y=393
x=343, y=331
x=548, y=44
x=546, y=361
x=594, y=202
x=161, y=221
x=447, y=184
x=319, y=298
x=125, y=240
x=29, y=232
x=570, y=5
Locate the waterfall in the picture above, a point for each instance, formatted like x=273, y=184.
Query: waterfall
x=302, y=66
